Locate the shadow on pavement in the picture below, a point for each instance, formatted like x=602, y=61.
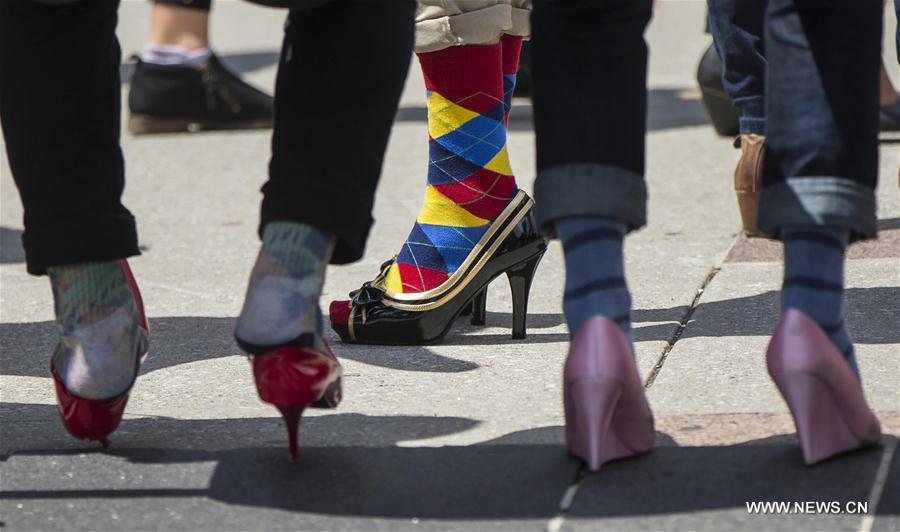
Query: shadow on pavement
x=871, y=318
x=11, y=250
x=520, y=475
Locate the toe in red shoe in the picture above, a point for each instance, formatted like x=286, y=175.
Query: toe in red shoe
x=96, y=419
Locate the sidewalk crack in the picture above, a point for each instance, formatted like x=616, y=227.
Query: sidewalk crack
x=682, y=325
x=565, y=502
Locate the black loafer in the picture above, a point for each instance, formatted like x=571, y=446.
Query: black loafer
x=171, y=98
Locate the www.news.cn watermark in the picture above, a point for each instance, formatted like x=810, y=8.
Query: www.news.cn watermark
x=807, y=507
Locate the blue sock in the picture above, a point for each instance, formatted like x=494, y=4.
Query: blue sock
x=814, y=279
x=595, y=271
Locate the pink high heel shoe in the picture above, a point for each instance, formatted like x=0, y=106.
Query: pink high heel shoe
x=824, y=396
x=607, y=414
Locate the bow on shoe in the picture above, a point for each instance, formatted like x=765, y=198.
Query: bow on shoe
x=372, y=291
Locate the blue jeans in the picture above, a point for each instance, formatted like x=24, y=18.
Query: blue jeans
x=815, y=63
x=737, y=30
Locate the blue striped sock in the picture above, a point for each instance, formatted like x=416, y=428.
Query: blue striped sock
x=595, y=271
x=814, y=279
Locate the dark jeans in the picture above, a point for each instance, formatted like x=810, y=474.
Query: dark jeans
x=60, y=111
x=737, y=29
x=822, y=107
x=589, y=62
x=821, y=93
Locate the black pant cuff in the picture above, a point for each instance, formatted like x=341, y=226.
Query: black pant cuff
x=97, y=238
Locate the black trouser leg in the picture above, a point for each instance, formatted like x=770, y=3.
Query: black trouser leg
x=60, y=110
x=589, y=62
x=342, y=69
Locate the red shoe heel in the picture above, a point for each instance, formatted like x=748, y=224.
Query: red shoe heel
x=93, y=419
x=607, y=414
x=293, y=378
x=824, y=396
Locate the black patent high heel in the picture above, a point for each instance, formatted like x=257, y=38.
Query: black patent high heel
x=513, y=245
x=479, y=308
x=520, y=278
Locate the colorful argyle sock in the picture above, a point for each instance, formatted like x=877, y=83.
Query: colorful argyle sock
x=282, y=303
x=814, y=279
x=469, y=177
x=100, y=336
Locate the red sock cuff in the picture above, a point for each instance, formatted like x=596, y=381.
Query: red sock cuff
x=461, y=72
x=512, y=47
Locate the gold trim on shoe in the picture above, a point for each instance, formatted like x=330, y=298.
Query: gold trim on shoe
x=492, y=239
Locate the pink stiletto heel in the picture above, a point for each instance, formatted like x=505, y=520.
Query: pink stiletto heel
x=607, y=414
x=824, y=396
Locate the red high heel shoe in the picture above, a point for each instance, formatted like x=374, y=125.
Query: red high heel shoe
x=822, y=392
x=93, y=419
x=292, y=378
x=607, y=414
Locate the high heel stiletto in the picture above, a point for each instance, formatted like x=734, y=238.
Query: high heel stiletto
x=607, y=414
x=513, y=245
x=92, y=419
x=294, y=378
x=823, y=394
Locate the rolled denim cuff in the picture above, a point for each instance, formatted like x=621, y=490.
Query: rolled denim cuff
x=752, y=126
x=753, y=114
x=823, y=200
x=590, y=190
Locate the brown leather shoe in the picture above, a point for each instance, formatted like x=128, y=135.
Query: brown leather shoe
x=748, y=179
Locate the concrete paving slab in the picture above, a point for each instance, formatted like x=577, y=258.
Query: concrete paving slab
x=720, y=360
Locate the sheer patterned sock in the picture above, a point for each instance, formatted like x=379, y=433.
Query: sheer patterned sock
x=282, y=303
x=469, y=177
x=814, y=279
x=595, y=271
x=100, y=336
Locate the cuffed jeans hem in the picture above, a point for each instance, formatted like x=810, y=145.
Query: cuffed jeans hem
x=480, y=27
x=752, y=126
x=833, y=201
x=343, y=216
x=589, y=190
x=98, y=238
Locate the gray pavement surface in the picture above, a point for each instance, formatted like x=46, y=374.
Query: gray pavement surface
x=466, y=434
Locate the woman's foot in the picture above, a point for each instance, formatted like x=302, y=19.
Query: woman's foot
x=811, y=357
x=103, y=335
x=471, y=197
x=824, y=395
x=607, y=414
